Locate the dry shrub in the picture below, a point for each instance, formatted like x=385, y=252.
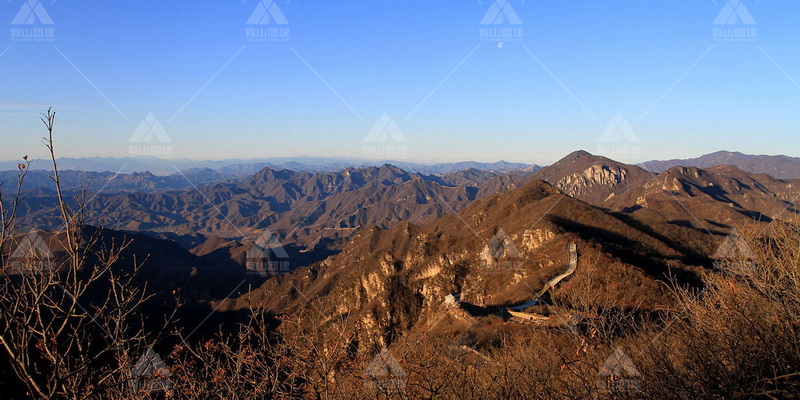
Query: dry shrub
x=738, y=337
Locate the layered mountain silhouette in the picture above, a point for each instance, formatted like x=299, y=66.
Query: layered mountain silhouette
x=777, y=166
x=239, y=167
x=117, y=183
x=300, y=207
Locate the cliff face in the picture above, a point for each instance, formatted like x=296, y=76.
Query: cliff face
x=590, y=178
x=722, y=196
x=581, y=183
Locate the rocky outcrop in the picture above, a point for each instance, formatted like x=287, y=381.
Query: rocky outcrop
x=581, y=182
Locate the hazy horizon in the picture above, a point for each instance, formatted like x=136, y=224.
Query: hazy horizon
x=440, y=81
x=45, y=163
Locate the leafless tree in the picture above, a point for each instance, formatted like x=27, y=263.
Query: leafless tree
x=70, y=327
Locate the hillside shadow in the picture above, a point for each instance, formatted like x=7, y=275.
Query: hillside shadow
x=691, y=256
x=652, y=263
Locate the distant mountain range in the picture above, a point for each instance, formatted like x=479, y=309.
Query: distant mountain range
x=128, y=182
x=321, y=210
x=239, y=168
x=779, y=166
x=303, y=208
x=113, y=183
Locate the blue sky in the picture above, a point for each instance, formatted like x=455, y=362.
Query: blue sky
x=453, y=96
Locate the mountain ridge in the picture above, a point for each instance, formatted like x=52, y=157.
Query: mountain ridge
x=778, y=166
x=240, y=167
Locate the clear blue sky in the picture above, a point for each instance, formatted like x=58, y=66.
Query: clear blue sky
x=387, y=57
